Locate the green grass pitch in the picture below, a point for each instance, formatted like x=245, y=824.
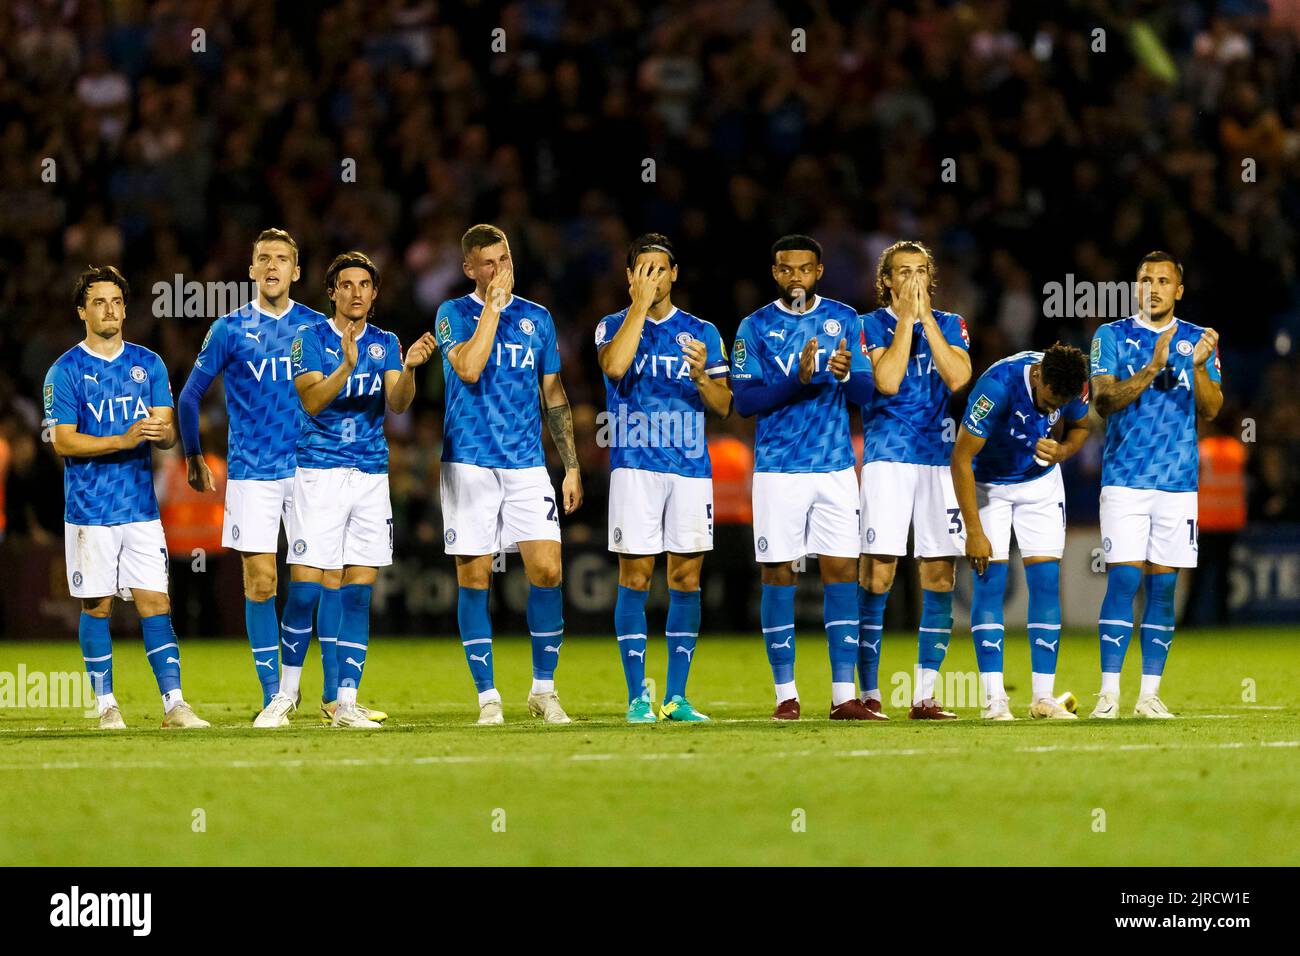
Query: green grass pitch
x=1219, y=786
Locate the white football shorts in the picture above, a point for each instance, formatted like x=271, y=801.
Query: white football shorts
x=255, y=509
x=805, y=514
x=105, y=560
x=1138, y=524
x=652, y=511
x=340, y=516
x=486, y=510
x=1035, y=509
x=896, y=494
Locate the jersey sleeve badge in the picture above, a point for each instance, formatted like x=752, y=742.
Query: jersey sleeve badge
x=739, y=357
x=980, y=410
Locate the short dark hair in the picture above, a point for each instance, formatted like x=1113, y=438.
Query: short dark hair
x=476, y=237
x=796, y=242
x=1064, y=370
x=651, y=242
x=93, y=274
x=1161, y=256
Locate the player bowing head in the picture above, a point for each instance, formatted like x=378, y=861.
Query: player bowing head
x=498, y=351
x=919, y=355
x=791, y=367
x=661, y=365
x=108, y=403
x=348, y=373
x=1153, y=374
x=1006, y=477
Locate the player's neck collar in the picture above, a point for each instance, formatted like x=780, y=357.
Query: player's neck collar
x=335, y=329
x=1144, y=324
x=269, y=314
x=103, y=358
x=477, y=298
x=817, y=301
x=653, y=321
x=1029, y=385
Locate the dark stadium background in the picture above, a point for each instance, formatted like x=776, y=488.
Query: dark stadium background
x=1068, y=160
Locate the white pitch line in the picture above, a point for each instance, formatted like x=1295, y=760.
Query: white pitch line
x=542, y=757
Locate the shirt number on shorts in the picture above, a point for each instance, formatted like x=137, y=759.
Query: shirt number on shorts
x=390, y=534
x=551, y=514
x=954, y=518
x=1061, y=505
x=1191, y=531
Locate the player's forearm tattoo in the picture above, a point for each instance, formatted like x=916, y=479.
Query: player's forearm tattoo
x=559, y=419
x=1120, y=394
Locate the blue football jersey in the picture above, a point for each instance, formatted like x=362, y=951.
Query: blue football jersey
x=811, y=434
x=497, y=421
x=105, y=397
x=655, y=416
x=1151, y=443
x=909, y=426
x=251, y=348
x=1001, y=410
x=349, y=431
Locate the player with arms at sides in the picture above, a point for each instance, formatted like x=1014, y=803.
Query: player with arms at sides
x=249, y=348
x=107, y=403
x=502, y=367
x=792, y=368
x=1152, y=374
x=1006, y=473
x=660, y=365
x=348, y=373
x=920, y=358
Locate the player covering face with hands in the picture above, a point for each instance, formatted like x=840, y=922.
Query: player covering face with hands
x=660, y=364
x=500, y=356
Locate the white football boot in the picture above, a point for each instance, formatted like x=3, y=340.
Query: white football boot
x=111, y=719
x=547, y=706
x=276, y=713
x=999, y=708
x=182, y=717
x=1107, y=707
x=351, y=718
x=1152, y=706
x=490, y=713
x=1050, y=708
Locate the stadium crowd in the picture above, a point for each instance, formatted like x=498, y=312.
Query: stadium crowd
x=165, y=151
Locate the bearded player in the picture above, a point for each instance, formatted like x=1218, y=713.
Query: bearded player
x=792, y=369
x=502, y=368
x=1152, y=375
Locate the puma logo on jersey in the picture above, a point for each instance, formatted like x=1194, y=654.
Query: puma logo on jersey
x=1022, y=416
x=1113, y=639
x=482, y=660
x=635, y=653
x=92, y=378
x=996, y=645
x=1164, y=644
x=172, y=660
x=1128, y=341
x=293, y=647
x=266, y=664
x=255, y=336
x=355, y=663
x=688, y=651
x=777, y=334
x=777, y=647
x=551, y=650
x=873, y=647
x=333, y=352
x=1039, y=642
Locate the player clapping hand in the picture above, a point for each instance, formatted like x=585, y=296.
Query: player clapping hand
x=421, y=351
x=1205, y=347
x=839, y=360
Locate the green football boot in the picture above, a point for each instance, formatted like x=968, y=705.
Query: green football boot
x=679, y=708
x=641, y=711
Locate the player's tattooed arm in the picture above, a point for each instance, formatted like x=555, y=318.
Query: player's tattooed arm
x=1208, y=393
x=1109, y=394
x=978, y=548
x=559, y=419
